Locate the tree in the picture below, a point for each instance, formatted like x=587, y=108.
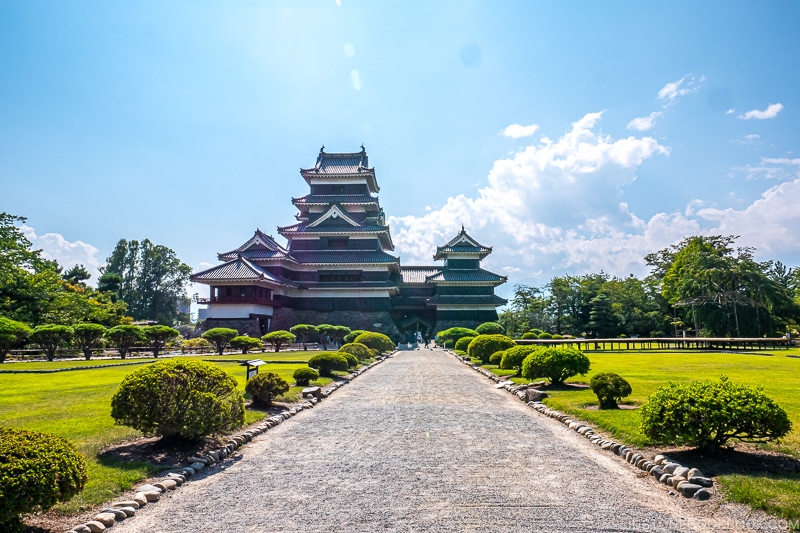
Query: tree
x=601, y=317
x=12, y=334
x=220, y=337
x=124, y=337
x=87, y=337
x=76, y=275
x=278, y=338
x=245, y=343
x=339, y=333
x=150, y=279
x=51, y=337
x=304, y=332
x=265, y=387
x=158, y=336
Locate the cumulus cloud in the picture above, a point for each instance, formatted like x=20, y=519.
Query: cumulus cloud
x=355, y=78
x=67, y=253
x=517, y=131
x=771, y=111
x=645, y=123
x=557, y=207
x=671, y=91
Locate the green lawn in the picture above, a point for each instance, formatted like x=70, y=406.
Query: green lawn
x=77, y=405
x=646, y=371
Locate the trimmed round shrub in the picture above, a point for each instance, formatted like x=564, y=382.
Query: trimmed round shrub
x=305, y=375
x=37, y=470
x=610, y=388
x=535, y=331
x=352, y=360
x=555, y=364
x=327, y=362
x=544, y=335
x=530, y=335
x=513, y=357
x=186, y=399
x=496, y=357
x=245, y=344
x=556, y=336
x=448, y=337
x=265, y=387
x=707, y=414
x=361, y=351
x=490, y=328
x=463, y=342
x=376, y=341
x=483, y=346
x=351, y=337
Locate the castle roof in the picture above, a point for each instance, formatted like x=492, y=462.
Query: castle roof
x=240, y=269
x=342, y=165
x=479, y=275
x=342, y=257
x=259, y=246
x=418, y=274
x=462, y=244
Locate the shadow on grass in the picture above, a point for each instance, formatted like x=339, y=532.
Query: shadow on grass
x=750, y=462
x=566, y=387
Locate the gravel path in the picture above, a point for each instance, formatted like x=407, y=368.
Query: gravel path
x=423, y=443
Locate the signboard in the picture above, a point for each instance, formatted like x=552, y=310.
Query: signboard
x=252, y=367
x=251, y=372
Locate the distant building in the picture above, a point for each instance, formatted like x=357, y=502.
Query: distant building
x=336, y=267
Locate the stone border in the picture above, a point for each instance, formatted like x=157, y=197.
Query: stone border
x=690, y=482
x=151, y=492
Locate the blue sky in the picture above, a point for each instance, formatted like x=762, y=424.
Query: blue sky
x=570, y=136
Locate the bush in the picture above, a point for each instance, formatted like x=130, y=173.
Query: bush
x=535, y=331
x=483, y=346
x=327, y=362
x=352, y=360
x=198, y=343
x=530, y=335
x=448, y=337
x=544, y=335
x=376, y=341
x=463, y=342
x=496, y=357
x=360, y=351
x=707, y=414
x=179, y=398
x=555, y=364
x=490, y=328
x=305, y=375
x=460, y=352
x=278, y=338
x=351, y=337
x=37, y=471
x=513, y=357
x=220, y=337
x=245, y=344
x=557, y=336
x=610, y=388
x=265, y=387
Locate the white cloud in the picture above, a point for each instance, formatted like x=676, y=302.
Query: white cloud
x=67, y=253
x=771, y=111
x=730, y=111
x=355, y=78
x=752, y=137
x=772, y=168
x=671, y=91
x=517, y=131
x=349, y=50
x=645, y=123
x=557, y=207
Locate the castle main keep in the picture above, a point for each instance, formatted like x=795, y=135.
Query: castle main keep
x=336, y=267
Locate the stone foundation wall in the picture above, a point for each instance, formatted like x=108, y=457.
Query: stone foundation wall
x=285, y=318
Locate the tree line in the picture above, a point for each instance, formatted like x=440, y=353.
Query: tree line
x=704, y=285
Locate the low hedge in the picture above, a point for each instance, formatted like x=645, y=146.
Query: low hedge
x=37, y=470
x=327, y=362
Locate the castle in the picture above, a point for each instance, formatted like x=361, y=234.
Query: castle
x=336, y=268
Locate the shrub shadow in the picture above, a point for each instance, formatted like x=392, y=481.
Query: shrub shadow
x=748, y=461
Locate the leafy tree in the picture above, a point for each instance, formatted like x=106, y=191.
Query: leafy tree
x=483, y=346
x=278, y=338
x=245, y=343
x=325, y=331
x=76, y=275
x=610, y=388
x=220, y=337
x=179, y=398
x=556, y=364
x=707, y=414
x=265, y=387
x=12, y=334
x=338, y=333
x=87, y=337
x=124, y=337
x=304, y=332
x=158, y=336
x=51, y=337
x=513, y=357
x=150, y=279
